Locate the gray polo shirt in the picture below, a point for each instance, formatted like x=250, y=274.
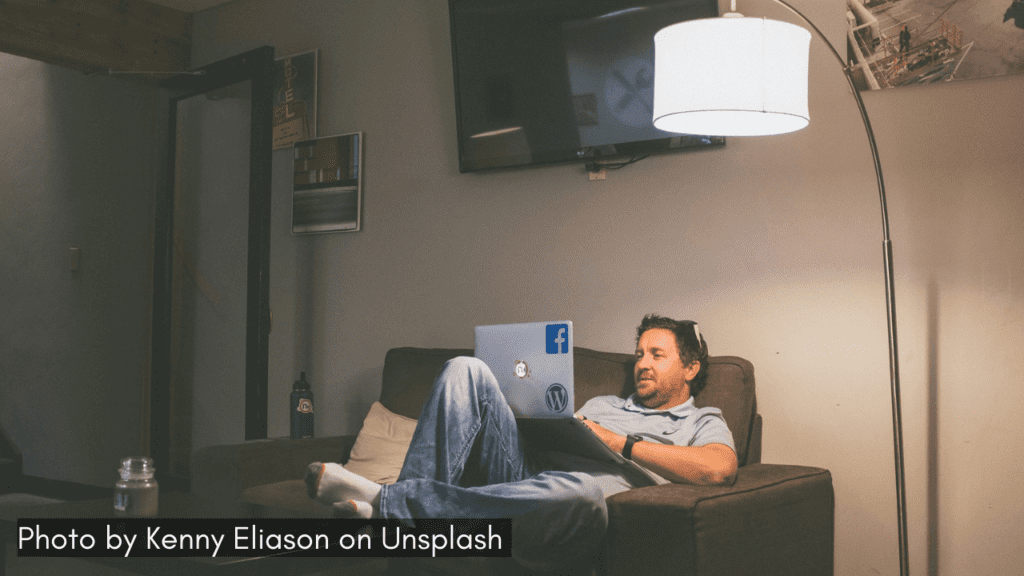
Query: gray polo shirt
x=682, y=425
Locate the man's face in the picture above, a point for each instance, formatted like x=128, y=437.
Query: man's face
x=661, y=378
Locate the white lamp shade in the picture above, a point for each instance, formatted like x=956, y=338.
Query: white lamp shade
x=731, y=77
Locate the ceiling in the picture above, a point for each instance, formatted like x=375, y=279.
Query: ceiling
x=162, y=34
x=151, y=36
x=189, y=6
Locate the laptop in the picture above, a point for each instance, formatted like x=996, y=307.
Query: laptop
x=533, y=363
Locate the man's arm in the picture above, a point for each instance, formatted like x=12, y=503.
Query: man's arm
x=711, y=464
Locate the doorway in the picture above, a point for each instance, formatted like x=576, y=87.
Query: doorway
x=211, y=313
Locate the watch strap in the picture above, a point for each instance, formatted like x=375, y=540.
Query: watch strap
x=627, y=450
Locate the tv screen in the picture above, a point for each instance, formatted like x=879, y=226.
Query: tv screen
x=543, y=81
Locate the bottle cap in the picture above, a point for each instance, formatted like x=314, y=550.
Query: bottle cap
x=301, y=383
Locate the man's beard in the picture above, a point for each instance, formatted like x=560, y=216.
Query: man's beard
x=650, y=394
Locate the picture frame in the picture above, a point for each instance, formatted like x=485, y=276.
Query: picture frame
x=327, y=189
x=295, y=98
x=911, y=43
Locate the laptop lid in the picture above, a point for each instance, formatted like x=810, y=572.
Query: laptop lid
x=533, y=365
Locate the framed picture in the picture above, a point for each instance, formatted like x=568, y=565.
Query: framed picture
x=295, y=98
x=915, y=42
x=327, y=190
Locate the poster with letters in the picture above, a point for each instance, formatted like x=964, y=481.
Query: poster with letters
x=295, y=80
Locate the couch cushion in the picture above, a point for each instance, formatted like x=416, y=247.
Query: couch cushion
x=775, y=520
x=730, y=388
x=601, y=374
x=290, y=495
x=380, y=448
x=409, y=374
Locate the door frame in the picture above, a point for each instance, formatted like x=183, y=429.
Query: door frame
x=257, y=67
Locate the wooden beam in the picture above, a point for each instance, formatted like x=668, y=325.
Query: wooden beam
x=97, y=35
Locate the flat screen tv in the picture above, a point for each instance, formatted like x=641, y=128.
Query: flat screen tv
x=545, y=81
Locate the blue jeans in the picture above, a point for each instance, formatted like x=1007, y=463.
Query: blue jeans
x=467, y=460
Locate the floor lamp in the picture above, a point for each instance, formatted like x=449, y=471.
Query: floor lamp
x=737, y=76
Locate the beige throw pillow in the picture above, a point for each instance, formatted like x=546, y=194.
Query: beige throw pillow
x=381, y=445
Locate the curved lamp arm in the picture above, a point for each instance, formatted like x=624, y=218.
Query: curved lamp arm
x=890, y=296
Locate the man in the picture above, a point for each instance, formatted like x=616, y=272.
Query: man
x=467, y=460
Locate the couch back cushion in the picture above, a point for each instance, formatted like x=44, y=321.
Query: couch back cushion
x=409, y=374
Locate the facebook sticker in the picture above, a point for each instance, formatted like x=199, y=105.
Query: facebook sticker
x=558, y=338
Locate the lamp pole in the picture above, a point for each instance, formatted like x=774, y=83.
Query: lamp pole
x=890, y=302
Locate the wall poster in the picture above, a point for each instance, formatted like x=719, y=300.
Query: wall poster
x=909, y=42
x=295, y=79
x=327, y=190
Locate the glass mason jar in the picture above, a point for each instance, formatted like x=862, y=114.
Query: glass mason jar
x=136, y=493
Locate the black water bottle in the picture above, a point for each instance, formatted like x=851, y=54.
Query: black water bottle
x=302, y=409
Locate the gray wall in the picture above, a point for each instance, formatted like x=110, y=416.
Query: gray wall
x=76, y=170
x=773, y=244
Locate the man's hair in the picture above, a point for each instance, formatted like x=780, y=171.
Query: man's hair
x=689, y=341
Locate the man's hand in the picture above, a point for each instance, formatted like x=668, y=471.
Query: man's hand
x=711, y=464
x=613, y=440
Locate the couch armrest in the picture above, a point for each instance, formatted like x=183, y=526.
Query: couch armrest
x=223, y=472
x=774, y=519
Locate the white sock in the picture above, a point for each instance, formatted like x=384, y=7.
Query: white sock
x=350, y=494
x=353, y=509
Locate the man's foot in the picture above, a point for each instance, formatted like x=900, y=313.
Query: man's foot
x=350, y=495
x=353, y=509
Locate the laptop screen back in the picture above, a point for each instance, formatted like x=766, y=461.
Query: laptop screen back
x=533, y=363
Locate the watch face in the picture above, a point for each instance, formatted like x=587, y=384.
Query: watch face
x=629, y=91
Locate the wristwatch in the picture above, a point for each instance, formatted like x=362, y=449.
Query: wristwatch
x=627, y=450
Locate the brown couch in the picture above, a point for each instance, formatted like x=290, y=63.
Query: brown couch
x=775, y=519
